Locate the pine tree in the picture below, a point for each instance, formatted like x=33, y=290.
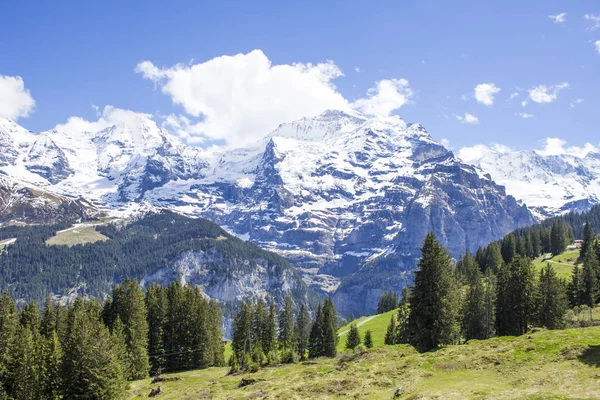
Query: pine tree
x=558, y=239
x=489, y=303
x=91, y=367
x=493, y=259
x=575, y=288
x=8, y=328
x=303, y=329
x=468, y=268
x=473, y=320
x=388, y=301
x=24, y=379
x=315, y=344
x=216, y=333
x=368, y=339
x=49, y=322
x=30, y=317
x=128, y=303
x=269, y=331
x=390, y=333
x=261, y=315
x=52, y=359
x=590, y=279
x=588, y=239
x=353, y=338
x=552, y=302
x=242, y=333
x=536, y=242
x=286, y=325
x=433, y=308
x=330, y=337
x=509, y=248
x=156, y=314
x=515, y=300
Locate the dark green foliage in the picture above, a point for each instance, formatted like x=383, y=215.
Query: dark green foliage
x=91, y=366
x=552, y=299
x=590, y=279
x=368, y=339
x=474, y=310
x=390, y=333
x=353, y=338
x=558, y=239
x=156, y=308
x=387, y=302
x=489, y=303
x=303, y=329
x=509, y=248
x=129, y=305
x=315, y=344
x=433, y=302
x=588, y=239
x=33, y=270
x=467, y=268
x=575, y=288
x=323, y=334
x=515, y=302
x=286, y=325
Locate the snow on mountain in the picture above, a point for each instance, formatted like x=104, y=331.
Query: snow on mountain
x=340, y=194
x=549, y=185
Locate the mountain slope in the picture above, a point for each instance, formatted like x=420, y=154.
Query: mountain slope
x=549, y=185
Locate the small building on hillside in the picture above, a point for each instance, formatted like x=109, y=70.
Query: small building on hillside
x=578, y=243
x=573, y=247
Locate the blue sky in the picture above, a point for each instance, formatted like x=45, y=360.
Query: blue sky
x=71, y=55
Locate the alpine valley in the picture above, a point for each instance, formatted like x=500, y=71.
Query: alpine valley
x=346, y=199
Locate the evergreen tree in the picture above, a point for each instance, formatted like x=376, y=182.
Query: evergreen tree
x=433, y=308
x=91, y=368
x=303, y=329
x=30, y=317
x=536, y=242
x=330, y=336
x=515, y=302
x=261, y=314
x=128, y=303
x=216, y=334
x=402, y=327
x=468, y=268
x=590, y=279
x=353, y=338
x=493, y=257
x=24, y=378
x=156, y=314
x=242, y=333
x=473, y=319
x=489, y=303
x=368, y=339
x=387, y=302
x=558, y=239
x=552, y=302
x=8, y=328
x=509, y=248
x=269, y=330
x=588, y=240
x=315, y=344
x=49, y=316
x=575, y=288
x=390, y=333
x=52, y=360
x=286, y=325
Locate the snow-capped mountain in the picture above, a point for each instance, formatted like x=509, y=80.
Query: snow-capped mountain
x=338, y=194
x=549, y=185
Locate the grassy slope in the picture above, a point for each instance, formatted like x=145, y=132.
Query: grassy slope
x=562, y=263
x=377, y=326
x=78, y=235
x=543, y=365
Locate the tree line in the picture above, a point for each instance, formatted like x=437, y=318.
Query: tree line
x=262, y=336
x=89, y=350
x=498, y=294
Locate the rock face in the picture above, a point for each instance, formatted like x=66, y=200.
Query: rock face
x=340, y=195
x=550, y=185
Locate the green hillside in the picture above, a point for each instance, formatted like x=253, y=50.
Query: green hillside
x=377, y=324
x=542, y=365
x=562, y=263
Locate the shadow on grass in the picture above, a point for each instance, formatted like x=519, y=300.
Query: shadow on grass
x=591, y=356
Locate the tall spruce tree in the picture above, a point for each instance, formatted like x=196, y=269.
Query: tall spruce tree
x=353, y=338
x=368, y=339
x=575, y=288
x=509, y=248
x=388, y=301
x=390, y=333
x=558, y=239
x=315, y=343
x=269, y=330
x=156, y=314
x=552, y=300
x=286, y=325
x=590, y=279
x=8, y=328
x=242, y=333
x=588, y=239
x=128, y=303
x=473, y=318
x=303, y=329
x=330, y=337
x=489, y=303
x=433, y=308
x=515, y=302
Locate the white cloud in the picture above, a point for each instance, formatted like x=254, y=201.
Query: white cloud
x=546, y=94
x=524, y=103
x=15, y=101
x=472, y=154
x=513, y=95
x=595, y=19
x=485, y=92
x=108, y=117
x=468, y=119
x=597, y=45
x=558, y=18
x=241, y=98
x=574, y=103
x=445, y=142
x=556, y=146
x=526, y=116
x=387, y=96
x=357, y=69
